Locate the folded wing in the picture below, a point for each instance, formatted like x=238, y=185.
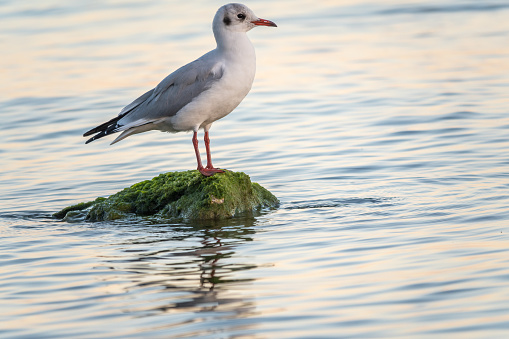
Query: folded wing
x=173, y=93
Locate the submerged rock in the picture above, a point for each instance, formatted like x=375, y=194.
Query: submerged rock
x=186, y=195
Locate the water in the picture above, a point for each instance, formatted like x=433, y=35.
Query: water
x=382, y=126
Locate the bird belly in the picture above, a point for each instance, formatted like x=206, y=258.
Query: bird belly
x=213, y=104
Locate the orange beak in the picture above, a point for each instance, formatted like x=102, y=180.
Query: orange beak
x=263, y=22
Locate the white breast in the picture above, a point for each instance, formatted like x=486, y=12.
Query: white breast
x=239, y=67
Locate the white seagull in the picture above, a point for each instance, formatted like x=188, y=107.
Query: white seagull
x=199, y=93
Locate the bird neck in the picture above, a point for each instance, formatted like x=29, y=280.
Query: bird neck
x=234, y=44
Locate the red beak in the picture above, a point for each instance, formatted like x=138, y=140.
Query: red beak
x=263, y=22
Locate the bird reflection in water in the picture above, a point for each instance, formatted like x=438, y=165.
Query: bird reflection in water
x=192, y=268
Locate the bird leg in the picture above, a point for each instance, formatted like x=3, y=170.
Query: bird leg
x=209, y=170
x=209, y=157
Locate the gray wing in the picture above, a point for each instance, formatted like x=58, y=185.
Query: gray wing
x=136, y=103
x=165, y=100
x=170, y=95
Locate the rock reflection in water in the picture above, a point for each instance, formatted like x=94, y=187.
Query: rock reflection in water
x=187, y=268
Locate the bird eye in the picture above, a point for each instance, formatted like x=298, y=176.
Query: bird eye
x=241, y=16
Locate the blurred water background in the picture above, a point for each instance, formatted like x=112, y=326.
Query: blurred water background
x=381, y=125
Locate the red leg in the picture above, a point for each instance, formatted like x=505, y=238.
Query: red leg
x=207, y=148
x=204, y=171
x=197, y=150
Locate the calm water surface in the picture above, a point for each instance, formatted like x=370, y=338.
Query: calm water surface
x=382, y=126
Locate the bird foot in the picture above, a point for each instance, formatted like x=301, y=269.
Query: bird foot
x=209, y=171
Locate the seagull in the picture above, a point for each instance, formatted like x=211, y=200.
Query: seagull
x=199, y=93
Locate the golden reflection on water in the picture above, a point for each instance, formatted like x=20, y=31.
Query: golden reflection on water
x=101, y=48
x=104, y=49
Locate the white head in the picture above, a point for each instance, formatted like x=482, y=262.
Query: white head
x=237, y=18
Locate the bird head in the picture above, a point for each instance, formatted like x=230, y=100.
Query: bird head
x=238, y=18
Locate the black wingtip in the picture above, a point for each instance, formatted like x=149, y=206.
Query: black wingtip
x=96, y=129
x=107, y=126
x=97, y=136
x=90, y=140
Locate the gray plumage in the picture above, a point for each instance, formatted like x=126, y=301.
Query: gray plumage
x=175, y=91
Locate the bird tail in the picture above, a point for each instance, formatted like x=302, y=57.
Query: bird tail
x=133, y=130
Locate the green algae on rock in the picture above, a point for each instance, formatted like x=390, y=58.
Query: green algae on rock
x=186, y=195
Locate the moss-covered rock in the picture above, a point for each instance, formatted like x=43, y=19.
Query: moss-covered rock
x=186, y=195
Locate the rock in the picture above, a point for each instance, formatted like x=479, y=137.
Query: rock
x=184, y=195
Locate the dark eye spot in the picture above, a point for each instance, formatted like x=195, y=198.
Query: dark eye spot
x=227, y=20
x=241, y=16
